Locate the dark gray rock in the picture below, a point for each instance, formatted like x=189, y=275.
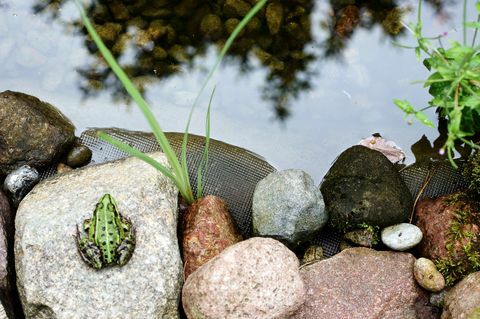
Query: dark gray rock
x=78, y=155
x=6, y=233
x=363, y=187
x=19, y=182
x=288, y=206
x=32, y=132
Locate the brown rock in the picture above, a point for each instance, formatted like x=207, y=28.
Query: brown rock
x=427, y=275
x=6, y=236
x=256, y=278
x=32, y=132
x=207, y=229
x=463, y=300
x=361, y=283
x=450, y=224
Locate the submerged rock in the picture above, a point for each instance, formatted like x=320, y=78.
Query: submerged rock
x=463, y=300
x=363, y=187
x=451, y=234
x=427, y=275
x=208, y=228
x=53, y=280
x=19, y=182
x=32, y=133
x=288, y=206
x=401, y=236
x=361, y=283
x=257, y=278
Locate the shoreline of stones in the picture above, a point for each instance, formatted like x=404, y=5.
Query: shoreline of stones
x=362, y=195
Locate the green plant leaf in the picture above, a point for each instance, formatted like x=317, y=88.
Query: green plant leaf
x=423, y=118
x=404, y=105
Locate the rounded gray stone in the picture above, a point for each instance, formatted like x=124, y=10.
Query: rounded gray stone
x=20, y=181
x=401, y=236
x=288, y=206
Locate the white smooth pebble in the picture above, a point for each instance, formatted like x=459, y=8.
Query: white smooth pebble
x=401, y=236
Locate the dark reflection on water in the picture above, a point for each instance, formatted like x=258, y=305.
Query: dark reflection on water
x=166, y=36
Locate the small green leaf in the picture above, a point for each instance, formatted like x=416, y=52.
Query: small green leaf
x=423, y=118
x=417, y=53
x=472, y=24
x=404, y=105
x=477, y=5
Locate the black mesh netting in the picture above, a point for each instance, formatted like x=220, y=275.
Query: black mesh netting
x=233, y=173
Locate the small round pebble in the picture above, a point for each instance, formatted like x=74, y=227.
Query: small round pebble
x=78, y=156
x=401, y=236
x=19, y=182
x=427, y=275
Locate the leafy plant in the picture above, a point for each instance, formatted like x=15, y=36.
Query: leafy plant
x=454, y=83
x=179, y=170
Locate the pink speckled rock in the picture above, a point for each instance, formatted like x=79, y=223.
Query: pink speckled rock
x=257, y=278
x=463, y=300
x=361, y=283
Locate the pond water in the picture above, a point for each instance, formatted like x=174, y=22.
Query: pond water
x=297, y=93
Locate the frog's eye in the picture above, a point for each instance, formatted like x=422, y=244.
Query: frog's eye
x=110, y=207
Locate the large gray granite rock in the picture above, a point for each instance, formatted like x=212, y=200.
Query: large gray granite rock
x=288, y=206
x=54, y=282
x=33, y=132
x=256, y=278
x=363, y=187
x=361, y=283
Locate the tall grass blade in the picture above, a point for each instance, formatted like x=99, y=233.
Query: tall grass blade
x=202, y=168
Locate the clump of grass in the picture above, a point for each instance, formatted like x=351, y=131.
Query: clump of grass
x=454, y=82
x=179, y=170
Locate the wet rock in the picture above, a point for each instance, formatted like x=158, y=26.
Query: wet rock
x=451, y=230
x=46, y=255
x=208, y=228
x=361, y=283
x=32, y=133
x=463, y=300
x=78, y=156
x=313, y=254
x=246, y=280
x=211, y=26
x=274, y=16
x=401, y=236
x=288, y=206
x=427, y=275
x=62, y=168
x=19, y=182
x=366, y=237
x=363, y=187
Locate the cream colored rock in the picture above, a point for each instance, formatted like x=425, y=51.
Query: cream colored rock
x=427, y=275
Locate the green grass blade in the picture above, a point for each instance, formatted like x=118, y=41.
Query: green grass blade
x=253, y=11
x=204, y=162
x=134, y=152
x=137, y=97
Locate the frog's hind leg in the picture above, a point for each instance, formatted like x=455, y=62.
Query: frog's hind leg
x=89, y=252
x=126, y=247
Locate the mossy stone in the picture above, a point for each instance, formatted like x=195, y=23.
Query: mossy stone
x=363, y=187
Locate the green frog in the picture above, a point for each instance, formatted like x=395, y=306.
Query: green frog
x=107, y=238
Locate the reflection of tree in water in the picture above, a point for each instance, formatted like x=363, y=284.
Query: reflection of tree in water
x=163, y=37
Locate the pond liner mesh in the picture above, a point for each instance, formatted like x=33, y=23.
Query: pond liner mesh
x=233, y=173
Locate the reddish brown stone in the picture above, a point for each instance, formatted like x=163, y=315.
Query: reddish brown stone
x=463, y=300
x=207, y=229
x=361, y=283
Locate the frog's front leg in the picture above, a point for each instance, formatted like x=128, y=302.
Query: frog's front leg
x=89, y=251
x=126, y=247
